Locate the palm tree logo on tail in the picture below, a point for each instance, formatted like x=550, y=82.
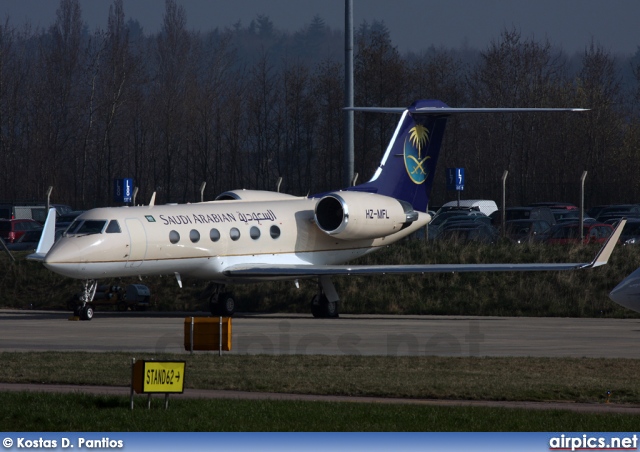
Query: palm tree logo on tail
x=414, y=144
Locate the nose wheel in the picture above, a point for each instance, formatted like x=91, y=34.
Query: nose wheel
x=84, y=309
x=84, y=312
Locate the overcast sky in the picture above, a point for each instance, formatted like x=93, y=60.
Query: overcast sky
x=413, y=24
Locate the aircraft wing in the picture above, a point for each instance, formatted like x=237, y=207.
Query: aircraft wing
x=268, y=270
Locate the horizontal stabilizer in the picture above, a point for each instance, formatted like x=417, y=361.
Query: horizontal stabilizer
x=451, y=111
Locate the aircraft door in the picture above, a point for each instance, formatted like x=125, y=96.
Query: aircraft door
x=137, y=242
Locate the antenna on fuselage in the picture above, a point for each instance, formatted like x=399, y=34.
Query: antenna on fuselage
x=153, y=200
x=204, y=184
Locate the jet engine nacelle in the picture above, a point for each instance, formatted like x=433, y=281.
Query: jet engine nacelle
x=351, y=215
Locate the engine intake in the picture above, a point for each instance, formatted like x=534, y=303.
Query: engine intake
x=351, y=215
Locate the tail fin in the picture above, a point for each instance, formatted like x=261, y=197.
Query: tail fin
x=407, y=169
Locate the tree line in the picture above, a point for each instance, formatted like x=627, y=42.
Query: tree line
x=243, y=106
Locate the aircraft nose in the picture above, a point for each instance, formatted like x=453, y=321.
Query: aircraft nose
x=627, y=293
x=64, y=259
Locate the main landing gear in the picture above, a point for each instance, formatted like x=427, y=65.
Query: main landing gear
x=84, y=308
x=325, y=303
x=221, y=303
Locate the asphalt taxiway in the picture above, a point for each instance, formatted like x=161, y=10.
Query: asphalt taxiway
x=348, y=335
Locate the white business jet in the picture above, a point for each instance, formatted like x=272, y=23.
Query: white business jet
x=248, y=236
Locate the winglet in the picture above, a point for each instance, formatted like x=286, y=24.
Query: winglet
x=47, y=238
x=605, y=252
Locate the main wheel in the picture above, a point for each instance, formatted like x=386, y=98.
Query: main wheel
x=323, y=308
x=331, y=309
x=226, y=305
x=87, y=312
x=316, y=306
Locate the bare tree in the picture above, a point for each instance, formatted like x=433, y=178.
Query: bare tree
x=328, y=140
x=600, y=135
x=170, y=92
x=216, y=75
x=515, y=73
x=58, y=97
x=264, y=103
x=380, y=73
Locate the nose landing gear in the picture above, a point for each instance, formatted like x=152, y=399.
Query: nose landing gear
x=84, y=309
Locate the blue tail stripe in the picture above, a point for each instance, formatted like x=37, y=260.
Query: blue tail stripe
x=408, y=167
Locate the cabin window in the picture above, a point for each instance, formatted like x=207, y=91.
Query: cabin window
x=234, y=233
x=254, y=232
x=194, y=236
x=214, y=235
x=274, y=231
x=174, y=237
x=113, y=227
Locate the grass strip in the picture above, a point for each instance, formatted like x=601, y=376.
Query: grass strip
x=584, y=380
x=26, y=411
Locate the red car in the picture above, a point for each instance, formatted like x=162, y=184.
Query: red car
x=12, y=230
x=570, y=233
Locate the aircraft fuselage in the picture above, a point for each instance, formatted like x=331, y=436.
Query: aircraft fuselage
x=201, y=240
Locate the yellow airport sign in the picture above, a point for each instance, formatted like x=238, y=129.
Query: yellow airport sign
x=158, y=377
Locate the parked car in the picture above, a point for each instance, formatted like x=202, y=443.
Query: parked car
x=29, y=210
x=485, y=206
x=523, y=213
x=619, y=210
x=28, y=241
x=570, y=216
x=594, y=211
x=555, y=205
x=452, y=220
x=630, y=234
x=65, y=220
x=614, y=217
x=62, y=209
x=15, y=212
x=12, y=230
x=466, y=219
x=565, y=233
x=435, y=226
x=527, y=231
x=470, y=232
x=441, y=217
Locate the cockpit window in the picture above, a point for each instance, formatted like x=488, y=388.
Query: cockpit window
x=73, y=226
x=85, y=227
x=113, y=228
